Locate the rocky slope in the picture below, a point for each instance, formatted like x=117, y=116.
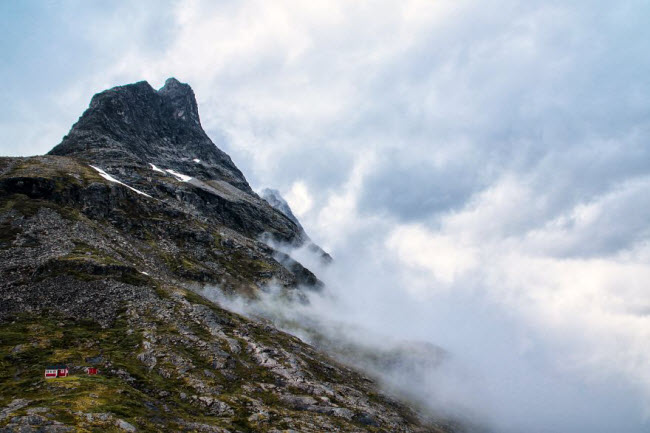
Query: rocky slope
x=104, y=245
x=273, y=197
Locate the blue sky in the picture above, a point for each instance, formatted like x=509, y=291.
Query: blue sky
x=494, y=156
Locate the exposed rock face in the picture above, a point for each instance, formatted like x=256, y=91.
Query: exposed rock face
x=62, y=218
x=135, y=125
x=275, y=199
x=101, y=266
x=153, y=141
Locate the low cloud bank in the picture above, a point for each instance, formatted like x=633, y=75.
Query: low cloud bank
x=503, y=341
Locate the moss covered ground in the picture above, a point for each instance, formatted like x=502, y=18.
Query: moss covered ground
x=29, y=343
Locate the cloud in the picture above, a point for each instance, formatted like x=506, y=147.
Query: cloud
x=299, y=198
x=443, y=257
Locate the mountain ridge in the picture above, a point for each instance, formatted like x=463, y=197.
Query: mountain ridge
x=105, y=248
x=136, y=125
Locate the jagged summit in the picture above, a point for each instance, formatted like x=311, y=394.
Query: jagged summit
x=135, y=125
x=182, y=97
x=152, y=141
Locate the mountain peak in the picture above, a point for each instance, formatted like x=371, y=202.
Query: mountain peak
x=182, y=98
x=135, y=125
x=172, y=84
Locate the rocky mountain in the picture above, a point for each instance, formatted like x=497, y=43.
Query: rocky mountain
x=134, y=126
x=105, y=246
x=275, y=199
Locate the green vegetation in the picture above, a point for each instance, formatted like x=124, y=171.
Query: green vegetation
x=83, y=251
x=240, y=264
x=28, y=207
x=8, y=234
x=90, y=269
x=62, y=170
x=30, y=343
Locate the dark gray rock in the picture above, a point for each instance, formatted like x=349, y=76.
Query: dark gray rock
x=135, y=125
x=275, y=199
x=129, y=130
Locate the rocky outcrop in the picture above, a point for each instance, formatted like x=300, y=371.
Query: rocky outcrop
x=134, y=126
x=275, y=199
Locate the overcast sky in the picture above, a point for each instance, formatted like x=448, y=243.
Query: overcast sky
x=493, y=155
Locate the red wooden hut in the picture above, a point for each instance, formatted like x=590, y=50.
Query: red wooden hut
x=53, y=371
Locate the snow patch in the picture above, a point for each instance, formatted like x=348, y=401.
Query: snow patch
x=197, y=160
x=110, y=178
x=154, y=168
x=144, y=273
x=180, y=176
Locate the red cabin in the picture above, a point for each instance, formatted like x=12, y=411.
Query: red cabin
x=54, y=371
x=91, y=371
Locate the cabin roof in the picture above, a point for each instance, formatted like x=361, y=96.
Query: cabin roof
x=56, y=367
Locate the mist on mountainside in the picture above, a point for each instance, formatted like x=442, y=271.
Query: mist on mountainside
x=458, y=353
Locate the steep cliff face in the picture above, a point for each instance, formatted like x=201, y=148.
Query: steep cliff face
x=104, y=245
x=133, y=126
x=273, y=197
x=153, y=141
